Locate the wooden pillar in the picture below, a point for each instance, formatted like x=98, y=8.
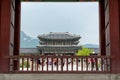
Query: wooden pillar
x=17, y=31
x=0, y=13
x=114, y=12
x=4, y=34
x=102, y=27
x=0, y=28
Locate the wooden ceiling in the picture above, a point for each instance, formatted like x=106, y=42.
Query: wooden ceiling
x=60, y=0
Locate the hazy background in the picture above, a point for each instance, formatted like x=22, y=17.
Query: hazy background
x=81, y=18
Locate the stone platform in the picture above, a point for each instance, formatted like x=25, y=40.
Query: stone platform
x=38, y=76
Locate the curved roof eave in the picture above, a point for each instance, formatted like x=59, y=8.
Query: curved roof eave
x=56, y=36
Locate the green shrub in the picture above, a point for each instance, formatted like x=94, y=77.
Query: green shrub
x=84, y=52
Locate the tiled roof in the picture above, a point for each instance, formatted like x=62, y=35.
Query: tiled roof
x=59, y=35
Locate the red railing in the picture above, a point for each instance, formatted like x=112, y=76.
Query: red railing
x=64, y=64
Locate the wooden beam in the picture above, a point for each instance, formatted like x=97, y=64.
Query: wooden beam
x=60, y=0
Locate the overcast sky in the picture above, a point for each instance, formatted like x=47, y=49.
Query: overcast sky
x=79, y=18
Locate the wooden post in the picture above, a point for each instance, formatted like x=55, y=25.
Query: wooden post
x=17, y=31
x=5, y=7
x=114, y=14
x=102, y=27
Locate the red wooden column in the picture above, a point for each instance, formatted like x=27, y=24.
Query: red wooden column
x=0, y=24
x=4, y=34
x=0, y=13
x=114, y=12
x=102, y=27
x=17, y=31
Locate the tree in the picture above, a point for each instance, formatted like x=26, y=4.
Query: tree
x=84, y=52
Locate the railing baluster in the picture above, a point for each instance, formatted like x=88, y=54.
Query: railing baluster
x=87, y=64
x=19, y=64
x=72, y=64
x=67, y=63
x=76, y=63
x=42, y=63
x=52, y=63
x=27, y=64
x=37, y=63
x=92, y=63
x=57, y=64
x=62, y=63
x=81, y=64
x=101, y=64
x=18, y=68
x=96, y=64
x=32, y=63
x=47, y=62
x=22, y=63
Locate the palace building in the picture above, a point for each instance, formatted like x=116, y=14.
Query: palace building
x=58, y=43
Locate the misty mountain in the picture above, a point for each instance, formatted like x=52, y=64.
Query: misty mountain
x=27, y=42
x=91, y=45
